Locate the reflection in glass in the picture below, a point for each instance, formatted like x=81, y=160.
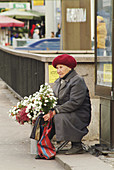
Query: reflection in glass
x=101, y=35
x=104, y=43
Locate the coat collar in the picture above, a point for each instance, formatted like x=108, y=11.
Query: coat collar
x=64, y=82
x=72, y=74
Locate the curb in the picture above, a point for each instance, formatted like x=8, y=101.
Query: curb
x=62, y=163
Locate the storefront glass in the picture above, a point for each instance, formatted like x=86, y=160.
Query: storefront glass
x=104, y=43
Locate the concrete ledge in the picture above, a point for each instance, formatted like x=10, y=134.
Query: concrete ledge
x=48, y=56
x=63, y=163
x=82, y=162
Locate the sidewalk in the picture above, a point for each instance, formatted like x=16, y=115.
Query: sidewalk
x=15, y=146
x=83, y=162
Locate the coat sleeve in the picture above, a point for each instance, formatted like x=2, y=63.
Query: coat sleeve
x=78, y=93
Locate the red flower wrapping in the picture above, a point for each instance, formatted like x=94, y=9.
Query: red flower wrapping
x=22, y=117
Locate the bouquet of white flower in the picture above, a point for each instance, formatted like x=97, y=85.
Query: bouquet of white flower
x=30, y=107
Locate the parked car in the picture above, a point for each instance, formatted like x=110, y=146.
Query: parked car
x=42, y=44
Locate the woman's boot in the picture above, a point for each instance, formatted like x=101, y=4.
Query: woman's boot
x=76, y=148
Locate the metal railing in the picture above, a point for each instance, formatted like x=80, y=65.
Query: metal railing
x=23, y=74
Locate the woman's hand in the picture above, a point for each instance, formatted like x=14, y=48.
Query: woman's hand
x=47, y=116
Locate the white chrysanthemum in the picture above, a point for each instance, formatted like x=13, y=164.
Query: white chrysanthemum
x=37, y=97
x=29, y=116
x=37, y=109
x=33, y=105
x=33, y=98
x=18, y=103
x=45, y=92
x=54, y=105
x=14, y=112
x=36, y=102
x=40, y=103
x=34, y=94
x=30, y=106
x=35, y=113
x=41, y=112
x=46, y=101
x=46, y=84
x=54, y=98
x=25, y=103
x=25, y=98
x=34, y=117
x=17, y=111
x=29, y=98
x=27, y=110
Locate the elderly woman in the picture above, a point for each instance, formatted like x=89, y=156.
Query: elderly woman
x=72, y=113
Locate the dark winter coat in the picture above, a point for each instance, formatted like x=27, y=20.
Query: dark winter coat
x=74, y=108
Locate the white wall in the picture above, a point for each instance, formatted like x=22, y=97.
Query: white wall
x=49, y=17
x=52, y=16
x=92, y=19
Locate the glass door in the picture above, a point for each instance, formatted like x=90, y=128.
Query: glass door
x=103, y=47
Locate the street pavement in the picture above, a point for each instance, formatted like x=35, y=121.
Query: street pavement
x=15, y=152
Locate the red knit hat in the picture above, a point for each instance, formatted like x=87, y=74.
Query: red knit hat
x=65, y=59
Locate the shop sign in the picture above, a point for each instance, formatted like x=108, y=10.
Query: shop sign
x=76, y=15
x=19, y=6
x=106, y=3
x=52, y=74
x=38, y=2
x=107, y=72
x=104, y=77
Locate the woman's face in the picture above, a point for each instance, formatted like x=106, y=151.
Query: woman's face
x=62, y=70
